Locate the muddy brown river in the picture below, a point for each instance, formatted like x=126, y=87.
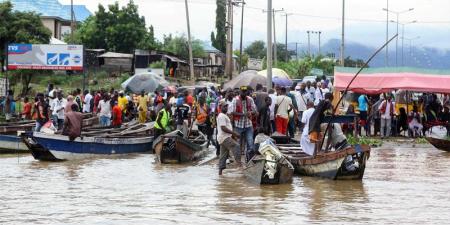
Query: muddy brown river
x=403, y=184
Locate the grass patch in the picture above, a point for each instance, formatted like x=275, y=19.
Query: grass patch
x=364, y=141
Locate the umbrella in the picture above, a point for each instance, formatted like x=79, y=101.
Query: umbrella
x=275, y=73
x=148, y=82
x=246, y=78
x=282, y=81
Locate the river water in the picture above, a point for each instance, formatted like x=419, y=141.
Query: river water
x=403, y=184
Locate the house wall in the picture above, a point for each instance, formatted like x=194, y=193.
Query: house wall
x=50, y=24
x=55, y=26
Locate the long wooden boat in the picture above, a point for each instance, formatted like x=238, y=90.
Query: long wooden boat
x=174, y=148
x=346, y=164
x=10, y=142
x=441, y=144
x=54, y=147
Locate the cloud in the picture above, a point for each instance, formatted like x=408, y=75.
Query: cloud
x=366, y=22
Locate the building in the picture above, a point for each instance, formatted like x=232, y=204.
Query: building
x=54, y=15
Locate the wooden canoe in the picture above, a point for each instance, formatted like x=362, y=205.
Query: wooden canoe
x=440, y=144
x=55, y=147
x=347, y=164
x=174, y=148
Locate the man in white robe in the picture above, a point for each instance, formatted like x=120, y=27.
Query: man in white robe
x=305, y=143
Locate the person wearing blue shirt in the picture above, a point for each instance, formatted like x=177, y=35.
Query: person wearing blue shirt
x=363, y=102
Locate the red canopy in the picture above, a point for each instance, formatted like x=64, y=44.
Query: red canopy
x=379, y=80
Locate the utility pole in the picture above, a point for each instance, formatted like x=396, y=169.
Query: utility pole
x=397, y=13
x=72, y=22
x=229, y=51
x=319, y=32
x=191, y=60
x=286, y=40
x=309, y=43
x=242, y=31
x=343, y=29
x=387, y=34
x=275, y=58
x=296, y=50
x=269, y=44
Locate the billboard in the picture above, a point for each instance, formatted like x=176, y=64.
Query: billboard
x=45, y=57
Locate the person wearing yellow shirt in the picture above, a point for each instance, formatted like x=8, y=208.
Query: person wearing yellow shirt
x=142, y=101
x=122, y=102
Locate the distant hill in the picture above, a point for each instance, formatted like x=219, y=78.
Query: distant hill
x=422, y=57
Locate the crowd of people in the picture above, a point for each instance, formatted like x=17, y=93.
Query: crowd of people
x=230, y=119
x=378, y=115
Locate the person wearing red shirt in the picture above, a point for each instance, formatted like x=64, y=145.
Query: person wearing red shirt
x=26, y=114
x=188, y=98
x=116, y=115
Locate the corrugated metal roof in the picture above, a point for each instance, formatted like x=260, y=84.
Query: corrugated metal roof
x=51, y=8
x=115, y=55
x=207, y=47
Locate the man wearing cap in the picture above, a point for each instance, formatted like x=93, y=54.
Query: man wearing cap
x=226, y=138
x=243, y=109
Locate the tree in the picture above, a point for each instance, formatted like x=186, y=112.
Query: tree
x=349, y=62
x=219, y=40
x=281, y=53
x=256, y=50
x=116, y=29
x=178, y=45
x=244, y=58
x=21, y=27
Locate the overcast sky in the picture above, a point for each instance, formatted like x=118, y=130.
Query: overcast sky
x=365, y=20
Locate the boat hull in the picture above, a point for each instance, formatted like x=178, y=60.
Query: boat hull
x=440, y=144
x=332, y=165
x=57, y=147
x=12, y=144
x=255, y=171
x=172, y=149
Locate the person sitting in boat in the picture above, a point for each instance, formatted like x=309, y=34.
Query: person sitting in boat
x=226, y=138
x=317, y=126
x=414, y=125
x=163, y=120
x=182, y=114
x=444, y=117
x=73, y=122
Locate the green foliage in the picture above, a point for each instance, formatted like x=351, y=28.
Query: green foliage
x=256, y=50
x=244, y=58
x=364, y=141
x=219, y=40
x=116, y=29
x=281, y=53
x=157, y=65
x=301, y=68
x=20, y=27
x=422, y=141
x=349, y=62
x=178, y=45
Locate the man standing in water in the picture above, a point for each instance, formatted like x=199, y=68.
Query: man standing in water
x=387, y=112
x=225, y=135
x=243, y=110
